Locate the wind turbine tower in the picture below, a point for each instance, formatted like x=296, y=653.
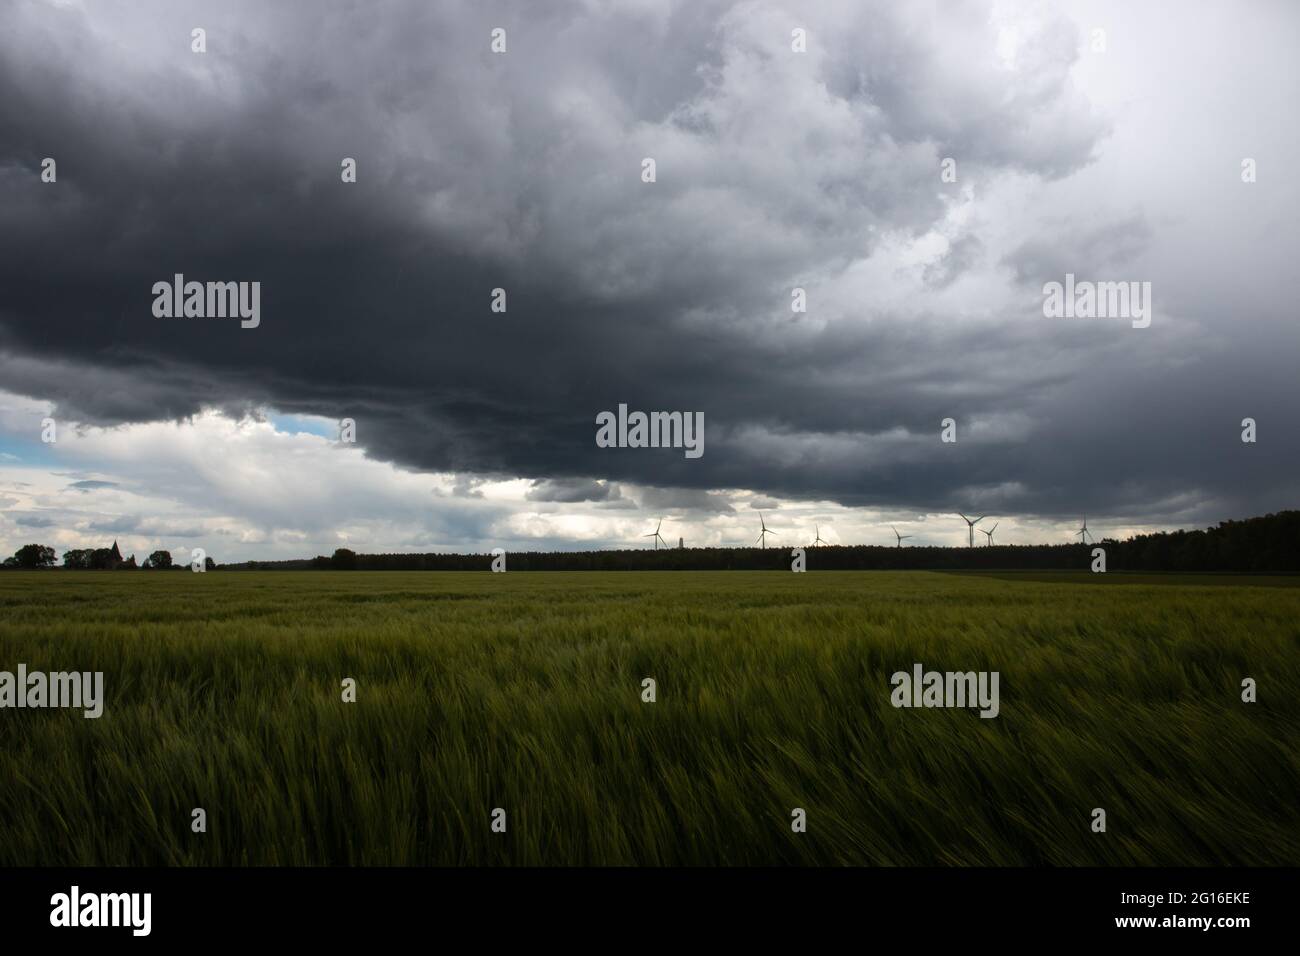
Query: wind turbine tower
x=656, y=535
x=970, y=526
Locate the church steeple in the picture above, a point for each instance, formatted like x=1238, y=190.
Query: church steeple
x=117, y=555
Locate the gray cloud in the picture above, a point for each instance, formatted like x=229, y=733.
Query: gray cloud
x=685, y=500
x=962, y=254
x=28, y=520
x=134, y=524
x=1066, y=248
x=573, y=489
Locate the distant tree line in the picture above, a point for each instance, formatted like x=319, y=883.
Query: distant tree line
x=35, y=557
x=1264, y=545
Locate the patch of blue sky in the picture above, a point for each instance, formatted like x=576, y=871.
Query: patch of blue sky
x=310, y=424
x=28, y=452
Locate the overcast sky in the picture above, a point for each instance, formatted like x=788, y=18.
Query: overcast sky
x=775, y=170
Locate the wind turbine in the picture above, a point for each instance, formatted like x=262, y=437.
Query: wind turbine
x=656, y=535
x=900, y=537
x=989, y=533
x=762, y=535
x=819, y=537
x=1083, y=532
x=970, y=526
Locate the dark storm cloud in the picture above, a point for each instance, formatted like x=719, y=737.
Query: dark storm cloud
x=522, y=171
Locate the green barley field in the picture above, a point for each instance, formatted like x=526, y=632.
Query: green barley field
x=523, y=691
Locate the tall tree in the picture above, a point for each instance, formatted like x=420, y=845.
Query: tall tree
x=31, y=556
x=159, y=560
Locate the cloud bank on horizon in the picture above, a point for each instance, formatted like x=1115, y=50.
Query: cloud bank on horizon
x=775, y=170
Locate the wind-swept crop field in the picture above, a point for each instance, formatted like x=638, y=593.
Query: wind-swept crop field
x=524, y=692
